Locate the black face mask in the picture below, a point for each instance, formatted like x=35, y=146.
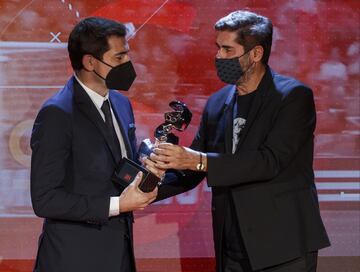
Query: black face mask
x=230, y=70
x=120, y=77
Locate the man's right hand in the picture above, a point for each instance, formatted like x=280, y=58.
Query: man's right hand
x=152, y=167
x=132, y=198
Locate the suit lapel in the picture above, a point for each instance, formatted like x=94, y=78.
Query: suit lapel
x=86, y=105
x=122, y=124
x=227, y=120
x=260, y=99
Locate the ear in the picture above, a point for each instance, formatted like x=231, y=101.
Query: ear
x=257, y=53
x=88, y=62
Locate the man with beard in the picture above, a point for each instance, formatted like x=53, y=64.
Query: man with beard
x=255, y=146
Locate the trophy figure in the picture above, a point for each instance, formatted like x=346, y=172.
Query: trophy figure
x=126, y=170
x=179, y=119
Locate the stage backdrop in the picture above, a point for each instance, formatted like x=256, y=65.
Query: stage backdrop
x=316, y=41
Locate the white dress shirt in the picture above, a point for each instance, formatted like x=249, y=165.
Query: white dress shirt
x=98, y=100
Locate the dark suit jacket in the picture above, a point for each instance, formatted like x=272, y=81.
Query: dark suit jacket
x=270, y=177
x=72, y=163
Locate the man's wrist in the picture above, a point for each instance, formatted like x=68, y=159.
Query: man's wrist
x=202, y=162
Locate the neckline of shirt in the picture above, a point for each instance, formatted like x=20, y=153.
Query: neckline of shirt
x=96, y=98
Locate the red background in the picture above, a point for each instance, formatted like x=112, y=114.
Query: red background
x=173, y=51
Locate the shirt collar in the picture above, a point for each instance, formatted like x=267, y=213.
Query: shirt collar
x=96, y=98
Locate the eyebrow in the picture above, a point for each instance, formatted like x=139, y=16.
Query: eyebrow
x=122, y=52
x=224, y=46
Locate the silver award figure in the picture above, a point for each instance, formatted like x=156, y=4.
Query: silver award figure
x=178, y=119
x=126, y=170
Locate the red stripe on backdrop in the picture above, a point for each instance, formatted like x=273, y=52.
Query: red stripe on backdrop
x=143, y=265
x=325, y=264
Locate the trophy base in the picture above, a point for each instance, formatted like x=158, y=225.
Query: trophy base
x=146, y=147
x=126, y=172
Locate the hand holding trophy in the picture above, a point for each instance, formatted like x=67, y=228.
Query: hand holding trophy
x=126, y=171
x=178, y=119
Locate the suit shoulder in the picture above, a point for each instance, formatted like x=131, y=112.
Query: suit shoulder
x=61, y=100
x=287, y=85
x=53, y=112
x=220, y=96
x=53, y=116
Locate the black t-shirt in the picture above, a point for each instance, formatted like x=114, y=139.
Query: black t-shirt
x=243, y=105
x=233, y=242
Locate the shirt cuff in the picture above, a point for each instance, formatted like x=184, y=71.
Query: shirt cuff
x=114, y=206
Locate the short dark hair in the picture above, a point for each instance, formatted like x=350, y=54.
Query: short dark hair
x=90, y=36
x=252, y=29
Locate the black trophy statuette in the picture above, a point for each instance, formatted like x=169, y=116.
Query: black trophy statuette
x=178, y=119
x=126, y=170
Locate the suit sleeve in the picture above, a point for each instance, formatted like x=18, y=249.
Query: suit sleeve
x=294, y=125
x=51, y=145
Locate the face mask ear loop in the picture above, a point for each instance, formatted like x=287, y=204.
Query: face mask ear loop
x=245, y=71
x=249, y=67
x=98, y=75
x=104, y=62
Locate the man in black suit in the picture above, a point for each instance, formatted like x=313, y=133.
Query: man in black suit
x=79, y=136
x=255, y=146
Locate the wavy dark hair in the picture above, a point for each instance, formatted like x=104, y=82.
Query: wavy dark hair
x=252, y=29
x=90, y=36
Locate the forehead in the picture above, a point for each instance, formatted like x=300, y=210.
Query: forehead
x=117, y=44
x=227, y=38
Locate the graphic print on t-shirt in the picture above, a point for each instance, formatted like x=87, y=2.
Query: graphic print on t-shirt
x=238, y=125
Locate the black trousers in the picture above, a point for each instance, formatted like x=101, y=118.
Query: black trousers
x=127, y=258
x=124, y=261
x=306, y=263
